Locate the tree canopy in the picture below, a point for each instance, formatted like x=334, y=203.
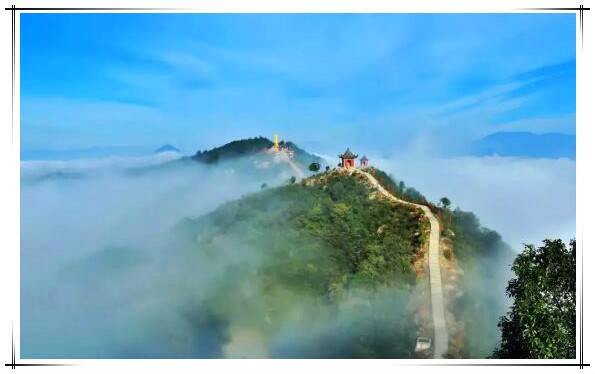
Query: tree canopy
x=233, y=149
x=541, y=322
x=325, y=261
x=445, y=201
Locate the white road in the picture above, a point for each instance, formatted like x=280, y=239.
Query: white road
x=439, y=321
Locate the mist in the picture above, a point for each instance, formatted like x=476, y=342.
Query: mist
x=96, y=274
x=526, y=200
x=107, y=271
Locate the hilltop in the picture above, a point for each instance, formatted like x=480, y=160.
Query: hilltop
x=234, y=149
x=251, y=147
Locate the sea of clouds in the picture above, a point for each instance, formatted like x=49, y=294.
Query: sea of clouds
x=79, y=217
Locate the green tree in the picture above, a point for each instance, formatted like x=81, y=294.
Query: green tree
x=292, y=180
x=315, y=166
x=445, y=201
x=337, y=190
x=541, y=322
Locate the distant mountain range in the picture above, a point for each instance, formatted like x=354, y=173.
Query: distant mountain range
x=526, y=144
x=167, y=148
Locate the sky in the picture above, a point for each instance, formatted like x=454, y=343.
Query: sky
x=381, y=83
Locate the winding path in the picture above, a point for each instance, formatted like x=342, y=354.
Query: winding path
x=439, y=321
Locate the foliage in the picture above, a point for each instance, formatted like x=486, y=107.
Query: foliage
x=375, y=239
x=385, y=180
x=315, y=167
x=472, y=240
x=483, y=256
x=320, y=244
x=399, y=190
x=324, y=239
x=233, y=149
x=445, y=201
x=250, y=146
x=542, y=320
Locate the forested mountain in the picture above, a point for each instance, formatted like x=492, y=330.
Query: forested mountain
x=249, y=147
x=332, y=269
x=234, y=149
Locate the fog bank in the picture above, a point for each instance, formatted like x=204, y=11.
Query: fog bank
x=100, y=269
x=94, y=278
x=525, y=199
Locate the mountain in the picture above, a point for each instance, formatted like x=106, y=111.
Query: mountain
x=303, y=252
x=167, y=148
x=234, y=149
x=249, y=147
x=526, y=144
x=329, y=268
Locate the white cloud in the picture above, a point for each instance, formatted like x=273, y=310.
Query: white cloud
x=525, y=200
x=39, y=168
x=190, y=64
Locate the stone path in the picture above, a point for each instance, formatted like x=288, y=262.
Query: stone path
x=440, y=342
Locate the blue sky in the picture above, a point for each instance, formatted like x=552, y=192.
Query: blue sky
x=375, y=82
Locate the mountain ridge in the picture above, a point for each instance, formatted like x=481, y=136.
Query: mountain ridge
x=249, y=147
x=526, y=144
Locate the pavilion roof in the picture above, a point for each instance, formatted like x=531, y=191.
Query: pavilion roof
x=364, y=158
x=348, y=154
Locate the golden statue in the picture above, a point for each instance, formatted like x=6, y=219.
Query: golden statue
x=276, y=144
